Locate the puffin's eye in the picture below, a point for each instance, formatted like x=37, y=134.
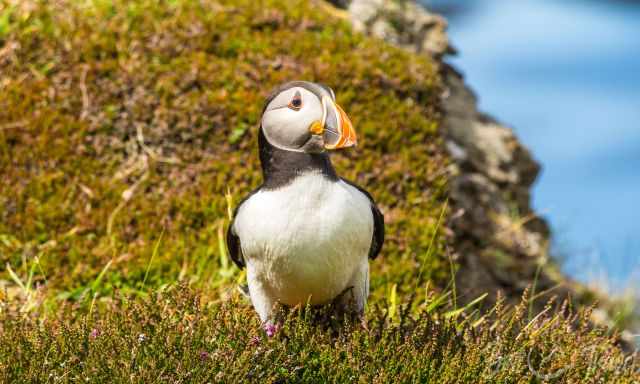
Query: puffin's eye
x=296, y=102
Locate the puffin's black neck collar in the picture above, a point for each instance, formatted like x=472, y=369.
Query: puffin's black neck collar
x=281, y=167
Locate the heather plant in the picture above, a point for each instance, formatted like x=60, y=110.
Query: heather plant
x=172, y=336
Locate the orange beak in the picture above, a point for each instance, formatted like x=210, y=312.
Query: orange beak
x=336, y=127
x=347, y=133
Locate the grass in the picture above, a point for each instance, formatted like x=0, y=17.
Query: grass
x=173, y=337
x=128, y=134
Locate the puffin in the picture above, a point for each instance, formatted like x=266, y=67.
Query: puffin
x=305, y=235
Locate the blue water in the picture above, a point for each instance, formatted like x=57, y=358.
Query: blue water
x=566, y=76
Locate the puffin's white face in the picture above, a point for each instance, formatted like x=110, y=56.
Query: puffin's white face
x=306, y=118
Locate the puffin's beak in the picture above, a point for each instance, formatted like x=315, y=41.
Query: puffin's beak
x=336, y=128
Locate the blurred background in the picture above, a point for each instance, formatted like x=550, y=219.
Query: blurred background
x=565, y=74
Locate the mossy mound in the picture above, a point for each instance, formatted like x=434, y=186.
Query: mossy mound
x=125, y=122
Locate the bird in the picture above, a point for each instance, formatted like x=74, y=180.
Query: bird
x=305, y=235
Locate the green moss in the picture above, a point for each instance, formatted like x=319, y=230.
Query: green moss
x=80, y=81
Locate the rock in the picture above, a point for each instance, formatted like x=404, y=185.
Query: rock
x=491, y=185
x=492, y=148
x=403, y=23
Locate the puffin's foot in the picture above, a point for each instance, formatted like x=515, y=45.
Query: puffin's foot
x=244, y=291
x=346, y=304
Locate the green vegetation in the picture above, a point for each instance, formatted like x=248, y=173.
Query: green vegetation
x=128, y=131
x=172, y=338
x=123, y=120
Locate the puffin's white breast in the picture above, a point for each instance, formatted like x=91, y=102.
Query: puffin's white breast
x=306, y=240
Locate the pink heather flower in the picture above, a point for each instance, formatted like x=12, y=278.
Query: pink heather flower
x=94, y=333
x=204, y=355
x=270, y=329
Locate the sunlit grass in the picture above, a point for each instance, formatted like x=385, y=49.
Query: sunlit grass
x=174, y=335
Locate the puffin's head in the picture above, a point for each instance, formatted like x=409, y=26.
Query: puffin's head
x=301, y=116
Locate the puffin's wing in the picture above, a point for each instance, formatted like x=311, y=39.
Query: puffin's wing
x=233, y=245
x=378, y=223
x=233, y=241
